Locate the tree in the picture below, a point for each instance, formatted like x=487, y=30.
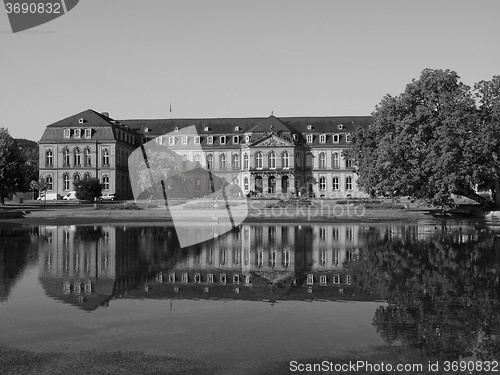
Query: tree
x=40, y=185
x=29, y=150
x=88, y=188
x=12, y=165
x=431, y=141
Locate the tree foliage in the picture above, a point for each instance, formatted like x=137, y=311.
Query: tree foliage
x=12, y=165
x=88, y=188
x=29, y=150
x=438, y=138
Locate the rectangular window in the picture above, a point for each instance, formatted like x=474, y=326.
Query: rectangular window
x=210, y=277
x=336, y=138
x=184, y=140
x=88, y=133
x=197, y=140
x=309, y=138
x=348, y=138
x=236, y=139
x=336, y=278
x=310, y=279
x=78, y=133
x=322, y=138
x=210, y=140
x=171, y=141
x=222, y=139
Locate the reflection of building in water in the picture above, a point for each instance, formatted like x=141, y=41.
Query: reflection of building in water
x=87, y=266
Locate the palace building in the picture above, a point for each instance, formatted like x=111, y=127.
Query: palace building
x=271, y=156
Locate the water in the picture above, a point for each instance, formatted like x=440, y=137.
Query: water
x=269, y=292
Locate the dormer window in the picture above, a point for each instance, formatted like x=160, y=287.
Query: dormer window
x=247, y=138
x=88, y=133
x=78, y=133
x=171, y=141
x=210, y=140
x=348, y=138
x=67, y=133
x=206, y=128
x=336, y=138
x=184, y=140
x=197, y=140
x=322, y=138
x=295, y=137
x=159, y=140
x=81, y=121
x=309, y=138
x=222, y=139
x=236, y=139
x=309, y=127
x=341, y=126
x=236, y=128
x=176, y=129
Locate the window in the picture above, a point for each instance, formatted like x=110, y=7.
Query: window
x=322, y=160
x=210, y=278
x=335, y=160
x=245, y=161
x=322, y=183
x=184, y=140
x=235, y=161
x=78, y=133
x=236, y=128
x=105, y=157
x=245, y=184
x=309, y=138
x=197, y=184
x=66, y=157
x=336, y=138
x=210, y=140
x=88, y=133
x=81, y=121
x=247, y=138
x=272, y=160
x=105, y=182
x=222, y=139
x=206, y=129
x=348, y=183
x=171, y=141
x=77, y=157
x=348, y=279
x=336, y=278
x=341, y=126
x=335, y=183
x=348, y=163
x=87, y=175
x=159, y=140
x=197, y=140
x=210, y=161
x=49, y=158
x=322, y=138
x=66, y=181
x=309, y=127
x=222, y=161
x=298, y=161
x=223, y=278
x=76, y=177
x=87, y=157
x=295, y=137
x=236, y=139
x=310, y=279
x=285, y=159
x=258, y=160
x=197, y=159
x=348, y=138
x=176, y=129
x=322, y=280
x=67, y=133
x=49, y=182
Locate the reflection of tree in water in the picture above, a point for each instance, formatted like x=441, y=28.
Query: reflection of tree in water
x=443, y=294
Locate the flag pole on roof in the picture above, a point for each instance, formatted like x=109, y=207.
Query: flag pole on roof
x=170, y=110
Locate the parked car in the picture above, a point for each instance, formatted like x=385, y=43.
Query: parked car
x=50, y=196
x=70, y=196
x=108, y=197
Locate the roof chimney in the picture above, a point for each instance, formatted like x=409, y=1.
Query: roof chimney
x=105, y=114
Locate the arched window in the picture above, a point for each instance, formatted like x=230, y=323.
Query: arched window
x=77, y=157
x=210, y=161
x=87, y=157
x=235, y=161
x=105, y=182
x=66, y=157
x=49, y=158
x=67, y=133
x=49, y=181
x=284, y=159
x=66, y=181
x=322, y=160
x=335, y=160
x=222, y=161
x=348, y=183
x=272, y=160
x=348, y=163
x=87, y=175
x=258, y=160
x=322, y=183
x=105, y=157
x=335, y=183
x=245, y=161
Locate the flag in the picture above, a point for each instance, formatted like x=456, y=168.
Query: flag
x=170, y=108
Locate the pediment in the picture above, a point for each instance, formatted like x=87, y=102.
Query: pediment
x=272, y=140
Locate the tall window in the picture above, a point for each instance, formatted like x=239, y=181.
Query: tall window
x=197, y=158
x=245, y=161
x=322, y=183
x=197, y=184
x=67, y=133
x=348, y=163
x=322, y=138
x=348, y=138
x=272, y=160
x=49, y=182
x=78, y=133
x=322, y=160
x=105, y=182
x=49, y=158
x=309, y=138
x=87, y=175
x=335, y=160
x=348, y=183
x=335, y=183
x=258, y=160
x=298, y=161
x=336, y=138
x=66, y=181
x=222, y=139
x=88, y=133
x=184, y=140
x=222, y=161
x=284, y=159
x=87, y=157
x=235, y=161
x=105, y=157
x=77, y=157
x=245, y=183
x=66, y=157
x=76, y=177
x=210, y=161
x=210, y=140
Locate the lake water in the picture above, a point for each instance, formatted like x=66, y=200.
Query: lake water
x=266, y=292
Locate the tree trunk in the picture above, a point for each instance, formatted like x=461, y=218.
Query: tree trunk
x=487, y=204
x=496, y=196
x=2, y=200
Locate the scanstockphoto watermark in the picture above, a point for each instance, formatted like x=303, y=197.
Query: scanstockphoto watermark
x=26, y=14
x=321, y=209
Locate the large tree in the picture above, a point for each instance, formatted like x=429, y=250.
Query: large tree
x=12, y=165
x=432, y=141
x=88, y=188
x=29, y=150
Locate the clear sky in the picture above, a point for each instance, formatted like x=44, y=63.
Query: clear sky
x=230, y=58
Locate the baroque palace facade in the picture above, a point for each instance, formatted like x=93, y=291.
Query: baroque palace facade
x=269, y=156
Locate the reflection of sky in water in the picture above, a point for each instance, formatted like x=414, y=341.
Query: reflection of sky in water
x=144, y=312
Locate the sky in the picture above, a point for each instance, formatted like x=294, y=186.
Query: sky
x=233, y=58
